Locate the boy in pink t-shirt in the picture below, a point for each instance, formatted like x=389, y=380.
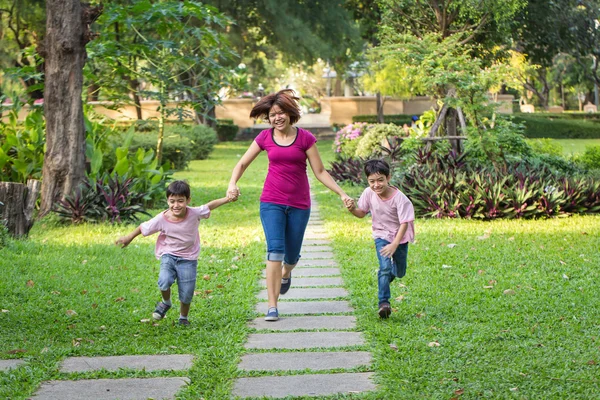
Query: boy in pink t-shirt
x=393, y=226
x=177, y=246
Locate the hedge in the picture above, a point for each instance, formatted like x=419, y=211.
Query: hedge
x=396, y=119
x=559, y=127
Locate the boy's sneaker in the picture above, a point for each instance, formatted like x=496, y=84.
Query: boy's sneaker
x=285, y=284
x=272, y=314
x=184, y=321
x=160, y=311
x=384, y=310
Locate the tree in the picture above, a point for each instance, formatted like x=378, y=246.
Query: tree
x=67, y=33
x=176, y=48
x=581, y=37
x=445, y=49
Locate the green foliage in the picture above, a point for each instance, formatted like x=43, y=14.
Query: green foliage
x=176, y=47
x=202, y=138
x=226, y=131
x=571, y=127
x=497, y=143
x=590, y=157
x=375, y=137
x=396, y=119
x=546, y=146
x=22, y=146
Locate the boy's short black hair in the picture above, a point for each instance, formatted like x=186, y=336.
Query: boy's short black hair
x=178, y=188
x=377, y=166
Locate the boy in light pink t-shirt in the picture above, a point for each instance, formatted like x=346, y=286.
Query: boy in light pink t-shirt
x=177, y=246
x=393, y=227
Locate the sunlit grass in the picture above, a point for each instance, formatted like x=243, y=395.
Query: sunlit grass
x=576, y=146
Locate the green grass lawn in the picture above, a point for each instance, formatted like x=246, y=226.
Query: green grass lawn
x=576, y=146
x=67, y=291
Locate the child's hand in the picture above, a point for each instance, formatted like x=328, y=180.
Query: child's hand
x=388, y=250
x=123, y=241
x=350, y=204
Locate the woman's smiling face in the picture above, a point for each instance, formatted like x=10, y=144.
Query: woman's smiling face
x=278, y=118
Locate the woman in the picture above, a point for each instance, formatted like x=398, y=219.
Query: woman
x=285, y=199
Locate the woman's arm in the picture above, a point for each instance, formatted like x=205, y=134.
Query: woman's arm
x=250, y=155
x=316, y=164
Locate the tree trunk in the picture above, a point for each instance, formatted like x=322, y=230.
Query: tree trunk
x=380, y=102
x=451, y=117
x=67, y=23
x=19, y=204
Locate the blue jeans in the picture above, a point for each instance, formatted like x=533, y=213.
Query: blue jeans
x=284, y=228
x=184, y=271
x=389, y=268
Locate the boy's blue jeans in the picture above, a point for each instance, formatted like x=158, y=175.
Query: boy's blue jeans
x=184, y=271
x=389, y=268
x=284, y=228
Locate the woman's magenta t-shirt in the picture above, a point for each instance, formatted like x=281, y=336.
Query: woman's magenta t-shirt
x=287, y=181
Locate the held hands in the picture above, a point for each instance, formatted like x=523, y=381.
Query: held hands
x=233, y=192
x=349, y=203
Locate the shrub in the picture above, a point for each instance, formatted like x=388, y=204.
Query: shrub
x=226, y=132
x=202, y=137
x=22, y=146
x=349, y=170
x=447, y=187
x=498, y=143
x=375, y=137
x=346, y=139
x=590, y=157
x=110, y=198
x=176, y=149
x=396, y=119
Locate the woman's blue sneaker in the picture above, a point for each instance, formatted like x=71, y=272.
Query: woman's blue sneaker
x=285, y=284
x=272, y=314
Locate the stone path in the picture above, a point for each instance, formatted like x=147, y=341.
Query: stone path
x=315, y=332
x=122, y=389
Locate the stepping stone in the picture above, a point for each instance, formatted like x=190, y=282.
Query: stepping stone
x=315, y=222
x=308, y=248
x=304, y=282
x=303, y=340
x=300, y=361
x=9, y=364
x=309, y=235
x=316, y=255
x=312, y=242
x=175, y=362
x=318, y=263
x=317, y=230
x=307, y=307
x=304, y=385
x=298, y=272
x=312, y=322
x=111, y=389
x=309, y=293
